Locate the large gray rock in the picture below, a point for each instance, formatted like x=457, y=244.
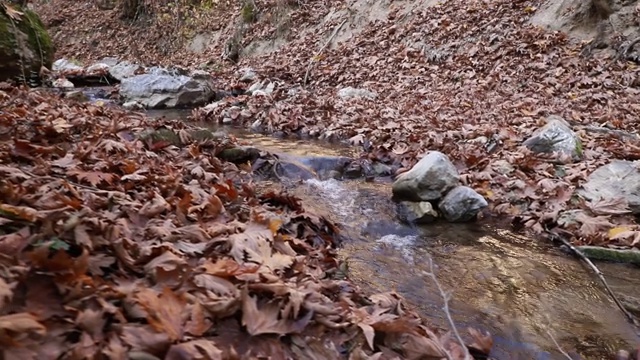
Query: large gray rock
x=123, y=70
x=416, y=212
x=428, y=180
x=555, y=136
x=155, y=91
x=64, y=65
x=617, y=180
x=462, y=204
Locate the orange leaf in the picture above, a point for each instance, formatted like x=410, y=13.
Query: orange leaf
x=164, y=311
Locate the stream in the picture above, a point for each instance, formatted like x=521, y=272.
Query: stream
x=525, y=293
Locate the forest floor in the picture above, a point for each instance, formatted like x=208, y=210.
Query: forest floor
x=168, y=252
x=470, y=79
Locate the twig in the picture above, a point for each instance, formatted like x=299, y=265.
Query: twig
x=446, y=297
x=313, y=59
x=598, y=273
x=558, y=346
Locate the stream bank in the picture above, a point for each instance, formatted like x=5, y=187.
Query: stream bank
x=519, y=290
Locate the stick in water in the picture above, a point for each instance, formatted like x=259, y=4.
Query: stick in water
x=600, y=276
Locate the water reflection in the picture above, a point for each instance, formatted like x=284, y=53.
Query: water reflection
x=520, y=291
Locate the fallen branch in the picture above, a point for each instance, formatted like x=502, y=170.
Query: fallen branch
x=313, y=59
x=446, y=297
x=598, y=272
x=564, y=353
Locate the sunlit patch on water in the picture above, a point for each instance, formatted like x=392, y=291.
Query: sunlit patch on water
x=402, y=244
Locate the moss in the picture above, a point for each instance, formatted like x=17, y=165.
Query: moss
x=248, y=12
x=38, y=37
x=579, y=147
x=35, y=46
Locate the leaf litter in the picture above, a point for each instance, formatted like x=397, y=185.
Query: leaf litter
x=472, y=79
x=101, y=266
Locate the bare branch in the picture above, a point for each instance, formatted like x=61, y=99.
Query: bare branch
x=598, y=273
x=564, y=353
x=446, y=297
x=313, y=59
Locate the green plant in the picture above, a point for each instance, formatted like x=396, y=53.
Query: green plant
x=248, y=11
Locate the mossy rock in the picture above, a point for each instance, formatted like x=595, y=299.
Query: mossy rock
x=240, y=154
x=25, y=45
x=172, y=137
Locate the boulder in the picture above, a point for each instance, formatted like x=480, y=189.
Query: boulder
x=64, y=65
x=461, y=204
x=160, y=90
x=25, y=45
x=614, y=181
x=428, y=180
x=416, y=212
x=123, y=70
x=555, y=136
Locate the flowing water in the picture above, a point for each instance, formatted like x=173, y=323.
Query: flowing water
x=524, y=293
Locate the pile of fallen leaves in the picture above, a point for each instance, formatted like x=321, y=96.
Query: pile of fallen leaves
x=114, y=245
x=473, y=80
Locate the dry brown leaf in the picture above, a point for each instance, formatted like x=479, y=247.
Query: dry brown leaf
x=196, y=350
x=165, y=311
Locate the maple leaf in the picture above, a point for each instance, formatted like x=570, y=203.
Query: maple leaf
x=92, y=177
x=254, y=245
x=164, y=311
x=266, y=318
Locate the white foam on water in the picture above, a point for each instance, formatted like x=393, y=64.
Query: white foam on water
x=340, y=199
x=401, y=243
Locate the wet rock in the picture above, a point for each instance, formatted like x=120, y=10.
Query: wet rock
x=617, y=180
x=381, y=169
x=327, y=166
x=240, y=154
x=428, y=180
x=350, y=92
x=416, y=212
x=353, y=171
x=76, y=95
x=167, y=91
x=123, y=70
x=555, y=136
x=273, y=167
x=25, y=46
x=462, y=204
